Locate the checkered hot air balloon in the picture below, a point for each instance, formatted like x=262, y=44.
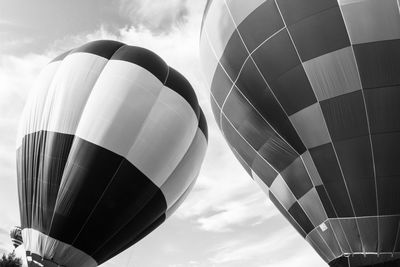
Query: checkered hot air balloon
x=110, y=143
x=307, y=95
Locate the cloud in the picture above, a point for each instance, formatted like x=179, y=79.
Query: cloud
x=279, y=248
x=159, y=16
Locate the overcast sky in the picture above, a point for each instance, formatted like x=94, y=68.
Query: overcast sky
x=226, y=220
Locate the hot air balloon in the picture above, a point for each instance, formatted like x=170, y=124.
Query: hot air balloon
x=110, y=143
x=16, y=237
x=307, y=95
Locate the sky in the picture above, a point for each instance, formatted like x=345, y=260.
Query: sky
x=226, y=219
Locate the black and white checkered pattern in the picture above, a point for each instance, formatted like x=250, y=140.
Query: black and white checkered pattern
x=306, y=93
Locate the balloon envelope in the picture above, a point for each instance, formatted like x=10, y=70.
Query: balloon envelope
x=307, y=93
x=110, y=143
x=16, y=237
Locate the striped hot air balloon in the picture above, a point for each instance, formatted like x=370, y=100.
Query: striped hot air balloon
x=110, y=143
x=307, y=94
x=16, y=237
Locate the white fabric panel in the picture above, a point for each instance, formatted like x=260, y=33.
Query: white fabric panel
x=260, y=183
x=312, y=206
x=333, y=74
x=310, y=125
x=239, y=11
x=118, y=106
x=187, y=170
x=70, y=90
x=371, y=20
x=311, y=168
x=219, y=26
x=164, y=137
x=33, y=110
x=282, y=192
x=178, y=203
x=208, y=61
x=59, y=252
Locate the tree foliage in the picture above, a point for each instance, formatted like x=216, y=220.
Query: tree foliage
x=10, y=260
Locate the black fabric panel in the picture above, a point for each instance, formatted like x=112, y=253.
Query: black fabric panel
x=129, y=198
x=388, y=194
x=276, y=56
x=179, y=84
x=383, y=109
x=203, y=123
x=369, y=233
x=298, y=214
x=300, y=9
x=143, y=58
x=320, y=34
x=261, y=97
x=277, y=153
x=345, y=116
x=235, y=140
x=386, y=148
x=378, y=63
x=293, y=90
x=41, y=161
x=286, y=214
x=234, y=55
x=266, y=173
x=297, y=179
x=61, y=57
x=220, y=85
x=102, y=48
x=328, y=168
x=325, y=160
x=264, y=21
x=325, y=201
x=355, y=158
x=388, y=227
x=351, y=231
x=105, y=256
x=101, y=191
x=246, y=120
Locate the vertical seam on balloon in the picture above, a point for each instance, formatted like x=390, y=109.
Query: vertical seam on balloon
x=250, y=55
x=369, y=128
x=265, y=162
x=150, y=198
x=40, y=122
x=333, y=146
x=240, y=71
x=218, y=63
x=74, y=134
x=323, y=239
x=194, y=177
x=98, y=202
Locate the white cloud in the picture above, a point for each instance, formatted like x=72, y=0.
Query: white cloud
x=159, y=16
